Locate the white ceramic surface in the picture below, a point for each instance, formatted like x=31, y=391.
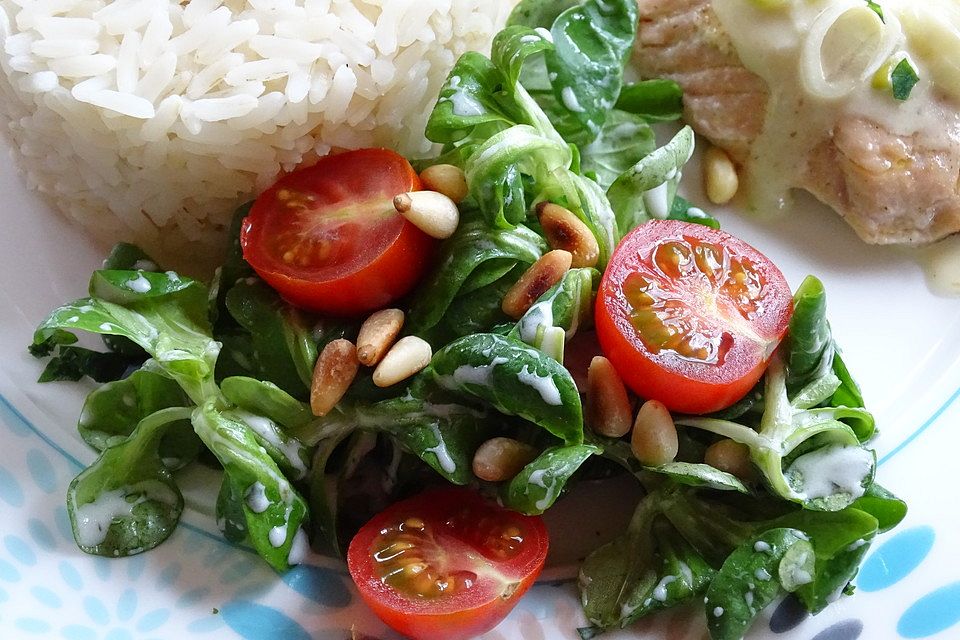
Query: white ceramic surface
x=901, y=342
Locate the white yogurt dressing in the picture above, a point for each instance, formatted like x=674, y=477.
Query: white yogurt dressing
x=139, y=284
x=270, y=432
x=856, y=544
x=830, y=470
x=941, y=265
x=570, y=100
x=464, y=104
x=257, y=498
x=540, y=314
x=277, y=535
x=544, y=385
x=660, y=591
x=93, y=519
x=544, y=33
x=656, y=201
x=800, y=576
x=444, y=459
x=479, y=375
x=686, y=573
x=537, y=478
x=299, y=548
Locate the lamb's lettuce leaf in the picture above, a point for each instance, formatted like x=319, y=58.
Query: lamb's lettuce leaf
x=514, y=379
x=127, y=502
x=472, y=246
x=654, y=100
x=647, y=189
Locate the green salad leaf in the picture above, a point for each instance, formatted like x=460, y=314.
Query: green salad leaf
x=539, y=484
x=112, y=412
x=276, y=343
x=127, y=502
x=558, y=313
x=469, y=249
x=648, y=188
x=273, y=509
x=654, y=100
x=514, y=379
x=624, y=140
x=762, y=564
x=592, y=42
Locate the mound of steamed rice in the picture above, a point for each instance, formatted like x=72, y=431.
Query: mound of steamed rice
x=150, y=120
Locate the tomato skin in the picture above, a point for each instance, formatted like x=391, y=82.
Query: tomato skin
x=387, y=256
x=462, y=614
x=746, y=333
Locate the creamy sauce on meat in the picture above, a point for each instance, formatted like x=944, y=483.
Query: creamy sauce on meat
x=941, y=264
x=822, y=58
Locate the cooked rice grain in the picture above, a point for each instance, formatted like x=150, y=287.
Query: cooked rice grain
x=149, y=121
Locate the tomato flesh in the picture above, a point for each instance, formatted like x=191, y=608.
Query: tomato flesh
x=329, y=239
x=446, y=564
x=690, y=315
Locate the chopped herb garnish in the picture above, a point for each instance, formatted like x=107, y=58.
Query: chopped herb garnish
x=903, y=79
x=877, y=9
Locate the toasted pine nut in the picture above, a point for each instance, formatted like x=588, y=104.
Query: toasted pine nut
x=500, y=459
x=720, y=177
x=654, y=438
x=332, y=374
x=608, y=410
x=564, y=230
x=377, y=334
x=408, y=356
x=433, y=213
x=446, y=179
x=730, y=456
x=535, y=281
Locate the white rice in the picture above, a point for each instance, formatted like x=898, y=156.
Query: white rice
x=150, y=121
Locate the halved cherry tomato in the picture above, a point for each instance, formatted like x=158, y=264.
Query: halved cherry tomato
x=446, y=564
x=690, y=315
x=328, y=238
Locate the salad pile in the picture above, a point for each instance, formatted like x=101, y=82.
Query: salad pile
x=744, y=428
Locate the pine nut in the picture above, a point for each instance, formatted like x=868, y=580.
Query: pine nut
x=608, y=410
x=433, y=213
x=535, y=281
x=719, y=176
x=732, y=457
x=500, y=459
x=377, y=334
x=405, y=358
x=564, y=230
x=332, y=374
x=654, y=437
x=446, y=179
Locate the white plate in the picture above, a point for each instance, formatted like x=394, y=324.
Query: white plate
x=901, y=342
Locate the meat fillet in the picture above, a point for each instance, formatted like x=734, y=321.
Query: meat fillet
x=891, y=189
